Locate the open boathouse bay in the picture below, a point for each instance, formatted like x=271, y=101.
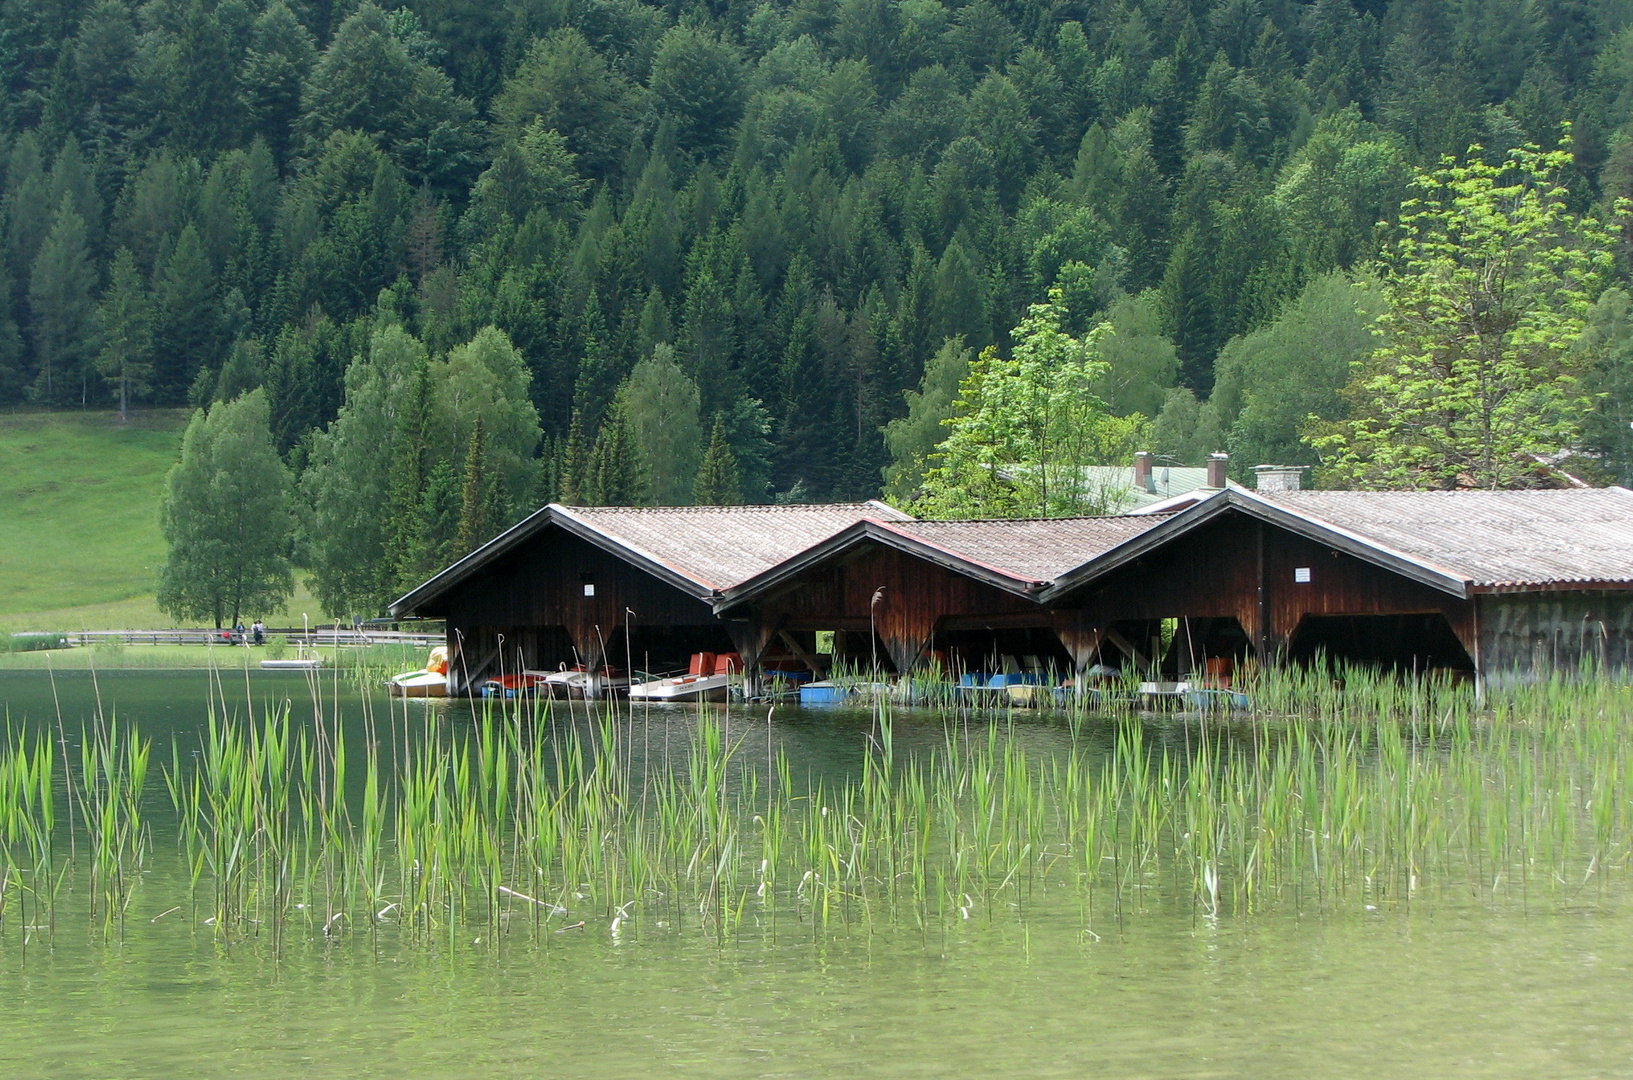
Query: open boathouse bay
x=205, y=875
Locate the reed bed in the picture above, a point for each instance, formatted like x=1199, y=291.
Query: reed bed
x=530, y=823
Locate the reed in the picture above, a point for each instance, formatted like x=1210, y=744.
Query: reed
x=1329, y=795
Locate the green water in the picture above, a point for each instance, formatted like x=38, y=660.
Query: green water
x=1452, y=986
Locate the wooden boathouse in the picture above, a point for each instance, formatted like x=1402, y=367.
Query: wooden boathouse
x=1505, y=585
x=1508, y=584
x=616, y=585
x=964, y=593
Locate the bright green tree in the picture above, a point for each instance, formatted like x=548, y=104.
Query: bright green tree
x=661, y=406
x=226, y=516
x=1490, y=285
x=1027, y=428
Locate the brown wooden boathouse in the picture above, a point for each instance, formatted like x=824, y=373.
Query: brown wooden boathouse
x=1506, y=584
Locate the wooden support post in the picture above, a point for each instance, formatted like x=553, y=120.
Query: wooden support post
x=750, y=637
x=1082, y=642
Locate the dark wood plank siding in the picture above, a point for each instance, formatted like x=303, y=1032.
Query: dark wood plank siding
x=1237, y=567
x=540, y=585
x=919, y=598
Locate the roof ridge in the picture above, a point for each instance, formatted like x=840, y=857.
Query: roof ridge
x=1033, y=521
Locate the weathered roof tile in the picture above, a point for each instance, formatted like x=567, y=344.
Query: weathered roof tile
x=719, y=546
x=1490, y=539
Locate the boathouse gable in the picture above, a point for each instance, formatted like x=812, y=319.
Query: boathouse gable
x=626, y=586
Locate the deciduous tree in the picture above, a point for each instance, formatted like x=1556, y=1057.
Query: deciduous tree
x=1490, y=285
x=226, y=517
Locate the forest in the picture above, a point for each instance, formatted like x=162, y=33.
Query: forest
x=450, y=260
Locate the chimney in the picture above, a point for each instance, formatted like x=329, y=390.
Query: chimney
x=1274, y=478
x=1142, y=471
x=1216, y=468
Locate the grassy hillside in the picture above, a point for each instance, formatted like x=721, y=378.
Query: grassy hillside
x=79, y=494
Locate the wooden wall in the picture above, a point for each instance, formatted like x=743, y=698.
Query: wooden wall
x=534, y=597
x=1525, y=636
x=1237, y=567
x=918, y=599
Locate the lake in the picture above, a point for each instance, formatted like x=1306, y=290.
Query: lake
x=1045, y=980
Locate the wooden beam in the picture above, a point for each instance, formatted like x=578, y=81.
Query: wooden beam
x=805, y=658
x=1128, y=648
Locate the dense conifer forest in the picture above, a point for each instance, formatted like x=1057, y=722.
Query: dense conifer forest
x=479, y=255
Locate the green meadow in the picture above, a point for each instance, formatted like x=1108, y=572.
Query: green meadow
x=81, y=547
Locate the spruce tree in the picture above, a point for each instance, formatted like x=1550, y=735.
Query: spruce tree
x=718, y=482
x=617, y=471
x=126, y=321
x=477, y=520
x=61, y=297
x=572, y=465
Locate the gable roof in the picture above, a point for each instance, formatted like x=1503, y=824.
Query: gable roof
x=700, y=550
x=1492, y=540
x=1018, y=556
x=1461, y=542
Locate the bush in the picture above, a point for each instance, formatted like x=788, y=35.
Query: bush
x=277, y=646
x=33, y=642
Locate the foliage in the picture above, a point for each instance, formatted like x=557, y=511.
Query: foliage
x=1490, y=284
x=718, y=482
x=661, y=406
x=805, y=202
x=1275, y=379
x=226, y=517
x=1026, y=430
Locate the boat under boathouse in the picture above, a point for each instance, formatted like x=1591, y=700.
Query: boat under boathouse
x=612, y=585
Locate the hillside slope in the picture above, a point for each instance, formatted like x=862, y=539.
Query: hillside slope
x=81, y=547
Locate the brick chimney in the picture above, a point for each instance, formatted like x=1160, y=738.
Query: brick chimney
x=1142, y=472
x=1216, y=468
x=1274, y=478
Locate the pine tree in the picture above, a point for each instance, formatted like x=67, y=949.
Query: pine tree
x=11, y=343
x=186, y=317
x=477, y=524
x=718, y=482
x=406, y=493
x=572, y=464
x=61, y=297
x=617, y=471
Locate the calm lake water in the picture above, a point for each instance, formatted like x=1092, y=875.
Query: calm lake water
x=1448, y=988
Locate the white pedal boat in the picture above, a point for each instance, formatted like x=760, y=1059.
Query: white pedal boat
x=682, y=688
x=431, y=681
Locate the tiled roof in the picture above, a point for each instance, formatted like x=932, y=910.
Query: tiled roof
x=718, y=546
x=1489, y=539
x=1032, y=549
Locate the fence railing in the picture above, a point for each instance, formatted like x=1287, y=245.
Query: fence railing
x=327, y=637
